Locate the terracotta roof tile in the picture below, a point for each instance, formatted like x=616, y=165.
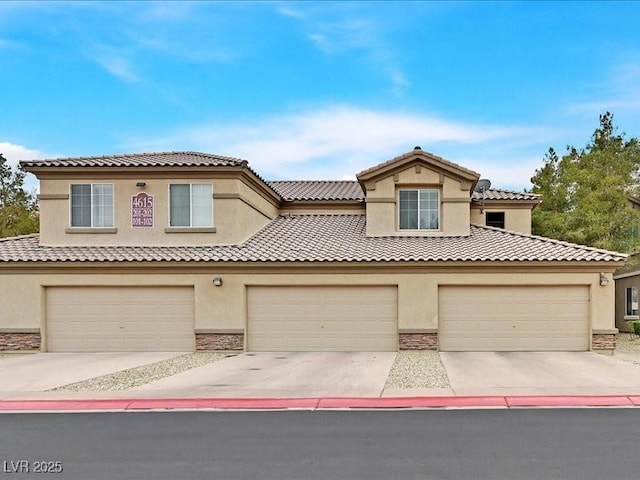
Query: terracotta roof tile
x=291, y=190
x=326, y=238
x=160, y=159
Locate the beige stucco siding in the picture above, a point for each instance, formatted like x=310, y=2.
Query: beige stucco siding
x=516, y=218
x=382, y=201
x=620, y=301
x=238, y=212
x=225, y=307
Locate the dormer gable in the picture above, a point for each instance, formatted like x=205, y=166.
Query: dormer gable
x=417, y=157
x=418, y=194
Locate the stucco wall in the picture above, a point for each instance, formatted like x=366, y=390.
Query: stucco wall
x=238, y=212
x=382, y=202
x=516, y=219
x=620, y=301
x=224, y=307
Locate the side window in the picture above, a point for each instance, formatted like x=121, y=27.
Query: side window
x=495, y=219
x=92, y=205
x=419, y=209
x=631, y=301
x=191, y=205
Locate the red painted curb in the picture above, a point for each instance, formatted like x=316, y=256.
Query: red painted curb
x=223, y=403
x=569, y=401
x=411, y=402
x=54, y=405
x=319, y=403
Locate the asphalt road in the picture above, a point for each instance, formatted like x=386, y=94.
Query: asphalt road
x=436, y=444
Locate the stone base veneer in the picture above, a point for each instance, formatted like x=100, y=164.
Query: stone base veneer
x=219, y=341
x=418, y=341
x=603, y=341
x=19, y=342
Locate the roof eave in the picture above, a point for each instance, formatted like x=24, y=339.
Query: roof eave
x=386, y=168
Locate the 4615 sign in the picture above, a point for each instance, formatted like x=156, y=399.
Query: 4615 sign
x=142, y=210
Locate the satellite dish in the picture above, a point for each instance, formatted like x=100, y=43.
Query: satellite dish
x=482, y=186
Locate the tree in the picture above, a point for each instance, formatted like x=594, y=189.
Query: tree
x=587, y=193
x=18, y=208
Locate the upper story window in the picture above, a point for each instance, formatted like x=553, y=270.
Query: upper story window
x=495, y=219
x=419, y=209
x=92, y=205
x=191, y=205
x=631, y=302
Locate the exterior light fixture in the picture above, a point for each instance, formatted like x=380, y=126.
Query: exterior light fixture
x=141, y=184
x=604, y=280
x=217, y=281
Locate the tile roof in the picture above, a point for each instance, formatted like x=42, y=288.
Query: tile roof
x=327, y=238
x=27, y=249
x=497, y=194
x=318, y=190
x=418, y=151
x=160, y=159
x=292, y=190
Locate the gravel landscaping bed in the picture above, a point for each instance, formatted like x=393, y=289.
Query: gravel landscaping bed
x=417, y=369
x=134, y=377
x=628, y=344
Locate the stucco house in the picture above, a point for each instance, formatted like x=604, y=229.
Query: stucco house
x=627, y=281
x=184, y=251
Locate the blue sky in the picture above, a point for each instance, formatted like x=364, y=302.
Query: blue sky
x=317, y=90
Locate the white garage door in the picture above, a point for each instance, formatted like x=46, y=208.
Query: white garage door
x=496, y=318
x=353, y=318
x=120, y=319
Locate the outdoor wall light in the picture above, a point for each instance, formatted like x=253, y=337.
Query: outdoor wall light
x=604, y=281
x=217, y=281
x=141, y=184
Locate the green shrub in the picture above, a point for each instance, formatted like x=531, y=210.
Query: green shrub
x=636, y=327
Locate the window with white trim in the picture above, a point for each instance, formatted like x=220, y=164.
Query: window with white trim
x=419, y=209
x=92, y=205
x=191, y=205
x=631, y=301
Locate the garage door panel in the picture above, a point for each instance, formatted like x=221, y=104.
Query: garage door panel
x=513, y=318
x=120, y=319
x=322, y=318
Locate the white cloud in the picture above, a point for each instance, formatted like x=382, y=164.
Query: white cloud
x=338, y=141
x=620, y=92
x=287, y=11
x=506, y=172
x=116, y=62
x=14, y=153
x=335, y=30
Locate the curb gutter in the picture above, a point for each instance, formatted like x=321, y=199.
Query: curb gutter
x=318, y=403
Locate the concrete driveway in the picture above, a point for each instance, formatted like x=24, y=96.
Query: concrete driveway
x=324, y=374
x=26, y=373
x=539, y=373
x=298, y=374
